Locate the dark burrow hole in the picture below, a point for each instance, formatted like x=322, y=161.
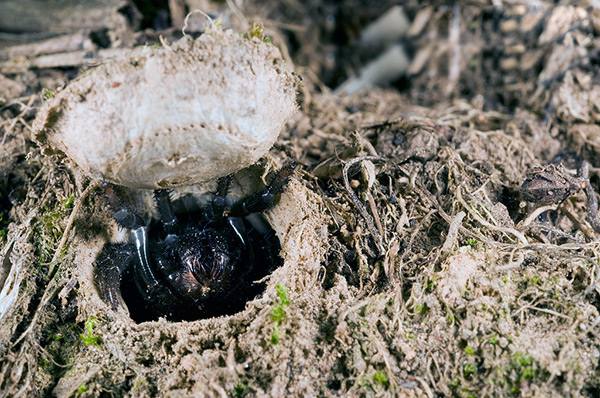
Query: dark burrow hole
x=155, y=13
x=258, y=257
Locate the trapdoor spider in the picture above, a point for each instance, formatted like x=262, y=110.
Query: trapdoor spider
x=185, y=267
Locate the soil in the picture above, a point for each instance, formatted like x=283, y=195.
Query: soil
x=415, y=261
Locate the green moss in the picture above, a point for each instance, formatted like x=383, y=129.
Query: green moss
x=47, y=94
x=241, y=389
x=256, y=30
x=80, y=390
x=3, y=228
x=472, y=243
x=535, y=280
x=275, y=335
x=429, y=286
x=282, y=293
x=279, y=312
x=521, y=368
x=48, y=230
x=469, y=370
x=468, y=350
x=379, y=377
x=89, y=337
x=139, y=383
x=60, y=342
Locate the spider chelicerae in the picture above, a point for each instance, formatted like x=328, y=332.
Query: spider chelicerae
x=195, y=265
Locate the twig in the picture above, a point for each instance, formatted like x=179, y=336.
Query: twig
x=236, y=11
x=361, y=208
x=76, y=207
x=551, y=312
x=512, y=264
x=187, y=19
x=535, y=215
x=452, y=232
x=52, y=287
x=592, y=200
x=480, y=219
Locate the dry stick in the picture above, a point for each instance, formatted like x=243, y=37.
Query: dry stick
x=373, y=208
x=236, y=11
x=414, y=233
x=452, y=232
x=425, y=386
x=361, y=208
x=592, y=209
x=52, y=287
x=551, y=312
x=480, y=219
x=511, y=263
x=568, y=210
x=18, y=118
x=535, y=214
x=187, y=19
x=65, y=236
x=592, y=200
x=420, y=187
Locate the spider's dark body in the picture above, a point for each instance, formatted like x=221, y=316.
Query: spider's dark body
x=200, y=264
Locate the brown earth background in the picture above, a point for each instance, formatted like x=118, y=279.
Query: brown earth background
x=412, y=265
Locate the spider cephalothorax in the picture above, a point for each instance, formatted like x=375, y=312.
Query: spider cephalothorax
x=192, y=265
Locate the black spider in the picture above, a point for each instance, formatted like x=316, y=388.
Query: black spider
x=194, y=265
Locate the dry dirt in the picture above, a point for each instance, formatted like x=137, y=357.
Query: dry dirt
x=412, y=264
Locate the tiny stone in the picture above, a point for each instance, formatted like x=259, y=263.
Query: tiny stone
x=503, y=342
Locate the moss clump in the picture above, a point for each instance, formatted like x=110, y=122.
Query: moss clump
x=240, y=389
x=256, y=30
x=47, y=94
x=279, y=312
x=60, y=343
x=89, y=337
x=472, y=243
x=3, y=228
x=521, y=370
x=48, y=230
x=379, y=377
x=81, y=389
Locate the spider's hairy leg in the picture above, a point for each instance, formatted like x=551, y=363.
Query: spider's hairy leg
x=218, y=203
x=127, y=218
x=162, y=197
x=124, y=215
x=111, y=263
x=266, y=199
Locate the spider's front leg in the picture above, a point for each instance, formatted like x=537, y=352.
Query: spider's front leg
x=266, y=199
x=111, y=263
x=115, y=259
x=165, y=211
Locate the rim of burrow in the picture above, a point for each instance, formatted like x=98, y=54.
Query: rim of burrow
x=300, y=223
